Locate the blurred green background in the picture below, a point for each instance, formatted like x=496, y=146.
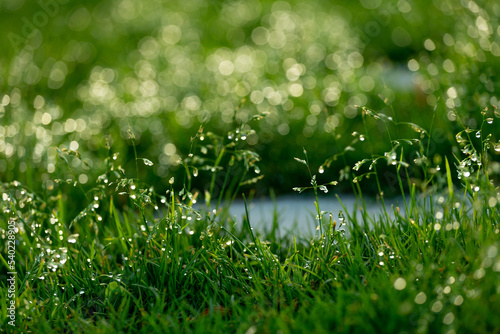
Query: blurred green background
x=72, y=73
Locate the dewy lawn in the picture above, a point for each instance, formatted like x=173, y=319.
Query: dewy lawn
x=137, y=136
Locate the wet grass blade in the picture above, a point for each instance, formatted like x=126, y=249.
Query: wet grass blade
x=448, y=177
x=247, y=220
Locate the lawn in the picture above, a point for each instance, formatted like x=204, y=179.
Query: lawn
x=127, y=130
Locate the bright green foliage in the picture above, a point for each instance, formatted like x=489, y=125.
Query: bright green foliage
x=136, y=261
x=128, y=128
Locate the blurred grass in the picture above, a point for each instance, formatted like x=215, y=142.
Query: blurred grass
x=95, y=69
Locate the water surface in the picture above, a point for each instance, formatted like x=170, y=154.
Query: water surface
x=296, y=213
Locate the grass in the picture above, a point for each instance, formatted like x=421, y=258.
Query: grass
x=130, y=231
x=154, y=67
x=136, y=261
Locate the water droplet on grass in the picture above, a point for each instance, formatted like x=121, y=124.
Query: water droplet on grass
x=437, y=307
x=72, y=238
x=400, y=284
x=448, y=318
x=420, y=298
x=458, y=300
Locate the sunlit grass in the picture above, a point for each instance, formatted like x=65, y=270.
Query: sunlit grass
x=135, y=260
x=127, y=130
x=165, y=70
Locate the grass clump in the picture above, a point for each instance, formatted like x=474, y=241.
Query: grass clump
x=133, y=260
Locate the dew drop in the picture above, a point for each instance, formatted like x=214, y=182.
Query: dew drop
x=420, y=298
x=400, y=284
x=72, y=238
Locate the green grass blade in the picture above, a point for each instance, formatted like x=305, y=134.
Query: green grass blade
x=448, y=177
